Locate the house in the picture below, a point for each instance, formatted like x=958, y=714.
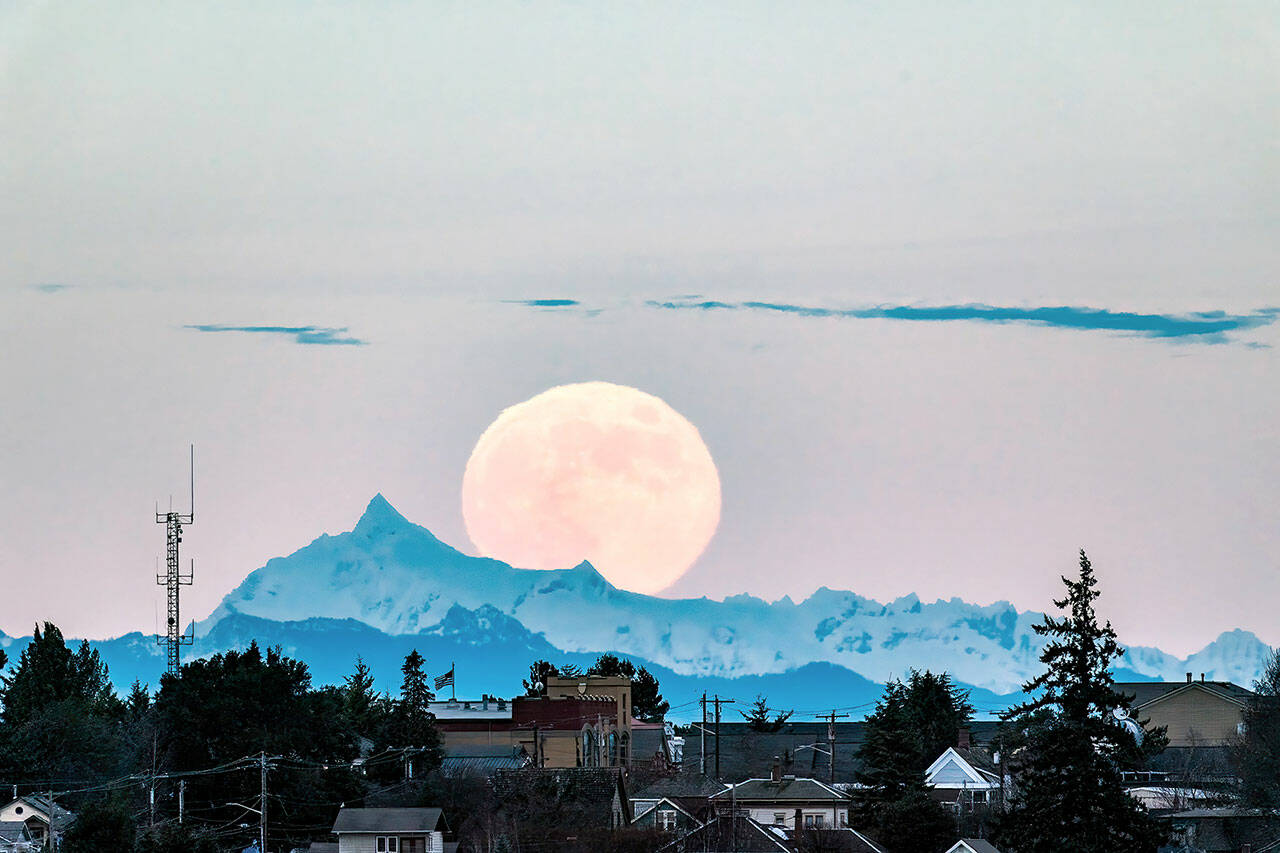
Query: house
x=1223, y=830
x=737, y=833
x=963, y=779
x=785, y=801
x=565, y=798
x=33, y=810
x=670, y=814
x=973, y=845
x=405, y=830
x=15, y=837
x=732, y=833
x=1171, y=797
x=686, y=796
x=1197, y=713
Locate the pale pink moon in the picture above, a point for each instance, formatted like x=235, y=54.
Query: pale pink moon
x=598, y=472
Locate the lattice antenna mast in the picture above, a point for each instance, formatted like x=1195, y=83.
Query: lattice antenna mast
x=173, y=578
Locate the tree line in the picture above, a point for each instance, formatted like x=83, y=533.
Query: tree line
x=121, y=763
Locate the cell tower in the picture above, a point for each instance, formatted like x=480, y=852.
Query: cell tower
x=173, y=578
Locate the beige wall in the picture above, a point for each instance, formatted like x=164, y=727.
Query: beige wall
x=1195, y=717
x=617, y=688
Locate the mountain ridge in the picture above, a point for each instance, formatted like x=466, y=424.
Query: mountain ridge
x=398, y=577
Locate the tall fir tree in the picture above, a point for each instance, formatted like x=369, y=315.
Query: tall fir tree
x=937, y=710
x=893, y=801
x=1257, y=750
x=413, y=724
x=61, y=716
x=1068, y=794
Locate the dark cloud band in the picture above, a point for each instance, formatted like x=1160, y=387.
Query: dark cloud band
x=313, y=335
x=1204, y=326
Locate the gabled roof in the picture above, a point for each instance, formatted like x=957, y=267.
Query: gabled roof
x=976, y=765
x=973, y=845
x=789, y=788
x=387, y=820
x=1148, y=693
x=13, y=830
x=672, y=803
x=40, y=803
x=731, y=834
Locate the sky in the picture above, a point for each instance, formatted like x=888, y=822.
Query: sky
x=949, y=290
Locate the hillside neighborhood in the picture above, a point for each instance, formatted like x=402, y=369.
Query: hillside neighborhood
x=239, y=751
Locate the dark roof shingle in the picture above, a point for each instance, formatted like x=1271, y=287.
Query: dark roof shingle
x=387, y=820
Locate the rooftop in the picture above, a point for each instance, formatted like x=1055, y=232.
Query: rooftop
x=387, y=820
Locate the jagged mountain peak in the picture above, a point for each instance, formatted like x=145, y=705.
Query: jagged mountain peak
x=380, y=516
x=397, y=577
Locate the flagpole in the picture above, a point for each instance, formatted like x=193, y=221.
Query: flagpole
x=453, y=687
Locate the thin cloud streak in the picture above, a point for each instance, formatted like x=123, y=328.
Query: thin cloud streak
x=546, y=303
x=1199, y=326
x=310, y=335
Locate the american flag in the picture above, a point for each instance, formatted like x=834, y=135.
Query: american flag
x=445, y=680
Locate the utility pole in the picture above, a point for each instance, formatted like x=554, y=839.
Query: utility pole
x=718, y=702
x=702, y=751
x=53, y=823
x=182, y=799
x=831, y=738
x=151, y=802
x=262, y=815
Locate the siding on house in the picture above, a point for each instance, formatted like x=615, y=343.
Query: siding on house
x=1196, y=718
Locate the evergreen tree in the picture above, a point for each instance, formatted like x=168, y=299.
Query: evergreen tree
x=225, y=710
x=138, y=702
x=937, y=709
x=1068, y=794
x=360, y=703
x=894, y=803
x=539, y=672
x=101, y=825
x=646, y=700
x=61, y=717
x=758, y=719
x=413, y=724
x=1257, y=751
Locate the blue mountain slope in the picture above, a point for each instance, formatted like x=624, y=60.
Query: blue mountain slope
x=398, y=577
x=491, y=663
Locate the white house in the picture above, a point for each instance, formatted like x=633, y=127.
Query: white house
x=962, y=779
x=33, y=811
x=787, y=802
x=390, y=831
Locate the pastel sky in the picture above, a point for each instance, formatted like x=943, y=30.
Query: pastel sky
x=950, y=290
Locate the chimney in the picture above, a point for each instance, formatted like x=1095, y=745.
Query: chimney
x=1188, y=678
x=776, y=773
x=1202, y=678
x=962, y=738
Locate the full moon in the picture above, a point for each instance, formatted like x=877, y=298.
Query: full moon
x=593, y=471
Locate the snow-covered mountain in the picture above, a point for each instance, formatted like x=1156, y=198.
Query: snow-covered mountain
x=396, y=577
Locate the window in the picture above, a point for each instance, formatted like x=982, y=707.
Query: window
x=779, y=818
x=813, y=821
x=387, y=844
x=667, y=820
